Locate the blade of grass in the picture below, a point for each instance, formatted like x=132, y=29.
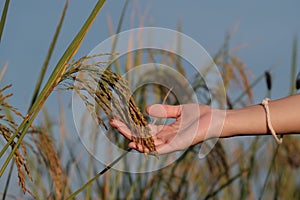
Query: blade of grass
x=245, y=91
x=49, y=54
x=50, y=85
x=118, y=31
x=3, y=17
x=269, y=172
x=8, y=179
x=9, y=116
x=88, y=194
x=253, y=149
x=108, y=167
x=230, y=181
x=178, y=59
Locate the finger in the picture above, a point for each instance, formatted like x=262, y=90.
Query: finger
x=161, y=147
x=132, y=145
x=138, y=147
x=164, y=111
x=122, y=128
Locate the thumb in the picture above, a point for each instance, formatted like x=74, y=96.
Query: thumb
x=164, y=111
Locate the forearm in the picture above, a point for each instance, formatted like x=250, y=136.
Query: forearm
x=284, y=113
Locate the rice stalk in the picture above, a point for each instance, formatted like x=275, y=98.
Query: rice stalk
x=7, y=128
x=254, y=83
x=52, y=82
x=114, y=45
x=108, y=167
x=233, y=70
x=73, y=168
x=178, y=59
x=288, y=163
x=47, y=150
x=228, y=183
x=62, y=127
x=159, y=189
x=49, y=55
x=245, y=189
x=240, y=77
x=269, y=172
x=8, y=180
x=93, y=139
x=112, y=94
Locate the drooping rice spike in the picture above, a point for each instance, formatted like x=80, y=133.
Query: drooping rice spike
x=298, y=81
x=112, y=93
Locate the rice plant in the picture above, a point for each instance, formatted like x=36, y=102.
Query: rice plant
x=48, y=168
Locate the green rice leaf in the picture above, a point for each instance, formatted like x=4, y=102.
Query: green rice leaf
x=3, y=17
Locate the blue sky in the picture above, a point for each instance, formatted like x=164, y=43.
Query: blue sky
x=266, y=27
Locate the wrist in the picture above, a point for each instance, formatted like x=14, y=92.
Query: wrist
x=245, y=121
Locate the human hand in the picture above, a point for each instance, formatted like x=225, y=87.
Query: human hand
x=191, y=125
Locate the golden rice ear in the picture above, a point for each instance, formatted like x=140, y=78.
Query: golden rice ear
x=113, y=96
x=7, y=128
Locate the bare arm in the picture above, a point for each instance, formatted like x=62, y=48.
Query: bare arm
x=191, y=127
x=284, y=113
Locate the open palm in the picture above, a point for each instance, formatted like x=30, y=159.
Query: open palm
x=190, y=127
